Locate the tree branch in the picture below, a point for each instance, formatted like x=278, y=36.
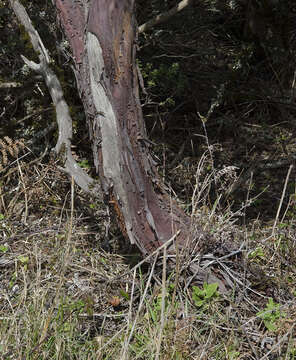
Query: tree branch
x=9, y=85
x=64, y=120
x=164, y=16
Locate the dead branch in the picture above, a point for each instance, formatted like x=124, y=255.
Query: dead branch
x=164, y=16
x=64, y=120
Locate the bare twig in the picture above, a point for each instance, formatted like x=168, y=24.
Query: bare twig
x=164, y=16
x=9, y=85
x=250, y=343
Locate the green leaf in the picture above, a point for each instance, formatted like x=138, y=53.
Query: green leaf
x=282, y=225
x=270, y=315
x=270, y=325
x=153, y=314
x=199, y=302
x=23, y=259
x=202, y=296
x=3, y=248
x=124, y=294
x=257, y=253
x=197, y=291
x=210, y=289
x=84, y=164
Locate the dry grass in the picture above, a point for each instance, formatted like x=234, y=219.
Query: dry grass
x=63, y=297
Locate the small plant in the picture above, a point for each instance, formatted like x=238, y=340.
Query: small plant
x=84, y=164
x=233, y=354
x=258, y=253
x=23, y=259
x=3, y=249
x=203, y=296
x=155, y=308
x=270, y=315
x=293, y=353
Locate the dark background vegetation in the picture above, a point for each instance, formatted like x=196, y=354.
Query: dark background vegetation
x=210, y=60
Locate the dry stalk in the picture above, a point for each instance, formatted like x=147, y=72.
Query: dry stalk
x=282, y=199
x=130, y=334
x=25, y=192
x=44, y=333
x=163, y=297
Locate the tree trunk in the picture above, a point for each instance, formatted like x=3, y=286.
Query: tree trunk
x=102, y=36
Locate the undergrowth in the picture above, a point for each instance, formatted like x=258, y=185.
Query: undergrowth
x=63, y=297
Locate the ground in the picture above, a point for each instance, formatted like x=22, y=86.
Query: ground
x=64, y=297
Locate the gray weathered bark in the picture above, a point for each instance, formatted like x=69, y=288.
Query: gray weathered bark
x=63, y=146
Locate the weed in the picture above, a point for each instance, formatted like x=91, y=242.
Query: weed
x=3, y=248
x=270, y=315
x=256, y=254
x=204, y=296
x=84, y=164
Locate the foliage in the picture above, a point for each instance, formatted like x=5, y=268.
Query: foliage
x=271, y=314
x=84, y=164
x=258, y=253
x=164, y=78
x=204, y=296
x=3, y=248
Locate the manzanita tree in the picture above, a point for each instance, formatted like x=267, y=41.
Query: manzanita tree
x=102, y=35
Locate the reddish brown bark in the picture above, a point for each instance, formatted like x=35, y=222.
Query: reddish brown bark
x=147, y=215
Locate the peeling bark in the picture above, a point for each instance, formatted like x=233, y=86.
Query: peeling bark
x=102, y=37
